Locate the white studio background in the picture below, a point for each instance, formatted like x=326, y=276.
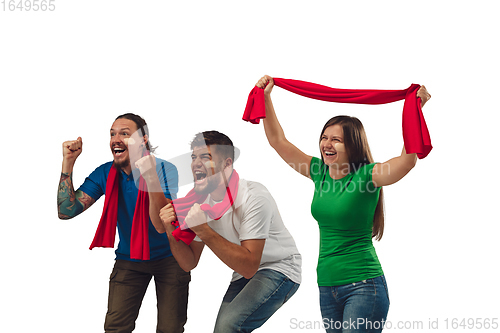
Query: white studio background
x=189, y=66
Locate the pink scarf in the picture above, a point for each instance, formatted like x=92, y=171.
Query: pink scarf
x=106, y=230
x=183, y=205
x=415, y=133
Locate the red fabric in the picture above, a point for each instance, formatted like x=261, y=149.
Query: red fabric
x=139, y=240
x=106, y=230
x=415, y=133
x=183, y=205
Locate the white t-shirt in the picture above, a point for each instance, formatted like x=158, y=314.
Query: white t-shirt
x=254, y=215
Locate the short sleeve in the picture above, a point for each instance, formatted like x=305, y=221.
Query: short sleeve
x=95, y=184
x=316, y=169
x=365, y=174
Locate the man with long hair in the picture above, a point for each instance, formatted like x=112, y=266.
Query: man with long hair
x=142, y=253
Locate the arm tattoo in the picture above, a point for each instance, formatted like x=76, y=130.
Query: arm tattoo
x=69, y=202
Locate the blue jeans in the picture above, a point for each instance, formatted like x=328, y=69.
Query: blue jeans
x=249, y=303
x=356, y=307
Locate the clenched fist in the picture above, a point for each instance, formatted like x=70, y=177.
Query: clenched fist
x=196, y=218
x=167, y=215
x=267, y=83
x=423, y=94
x=147, y=166
x=72, y=149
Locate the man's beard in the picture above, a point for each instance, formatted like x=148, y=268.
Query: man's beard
x=122, y=164
x=212, y=184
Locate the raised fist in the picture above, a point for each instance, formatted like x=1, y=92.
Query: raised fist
x=267, y=83
x=147, y=166
x=72, y=149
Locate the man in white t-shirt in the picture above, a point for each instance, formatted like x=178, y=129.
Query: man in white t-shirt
x=250, y=238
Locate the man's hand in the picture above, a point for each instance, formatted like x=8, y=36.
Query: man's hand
x=423, y=94
x=69, y=202
x=196, y=220
x=72, y=149
x=147, y=167
x=167, y=215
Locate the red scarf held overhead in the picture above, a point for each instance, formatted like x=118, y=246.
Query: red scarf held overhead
x=106, y=230
x=183, y=205
x=415, y=133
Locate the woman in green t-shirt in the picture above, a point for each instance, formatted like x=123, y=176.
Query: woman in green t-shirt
x=348, y=206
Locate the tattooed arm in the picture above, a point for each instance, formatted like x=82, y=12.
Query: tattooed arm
x=69, y=202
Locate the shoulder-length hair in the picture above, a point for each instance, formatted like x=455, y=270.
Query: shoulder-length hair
x=359, y=154
x=141, y=125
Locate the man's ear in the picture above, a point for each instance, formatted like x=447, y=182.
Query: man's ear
x=228, y=162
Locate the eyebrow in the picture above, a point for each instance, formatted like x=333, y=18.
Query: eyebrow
x=121, y=129
x=204, y=154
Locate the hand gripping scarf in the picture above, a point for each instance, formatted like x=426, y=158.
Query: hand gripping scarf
x=415, y=133
x=183, y=205
x=106, y=230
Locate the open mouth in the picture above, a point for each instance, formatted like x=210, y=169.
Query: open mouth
x=118, y=151
x=330, y=153
x=199, y=177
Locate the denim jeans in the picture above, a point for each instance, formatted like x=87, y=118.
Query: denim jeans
x=356, y=307
x=249, y=303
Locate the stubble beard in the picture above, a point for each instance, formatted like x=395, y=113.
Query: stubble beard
x=212, y=184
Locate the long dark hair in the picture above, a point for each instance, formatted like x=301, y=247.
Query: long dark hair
x=141, y=126
x=359, y=154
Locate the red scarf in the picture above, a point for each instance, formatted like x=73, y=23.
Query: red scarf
x=415, y=133
x=183, y=205
x=106, y=230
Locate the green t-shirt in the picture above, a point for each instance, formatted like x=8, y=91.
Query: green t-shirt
x=344, y=209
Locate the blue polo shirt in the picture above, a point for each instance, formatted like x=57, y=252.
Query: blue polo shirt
x=95, y=186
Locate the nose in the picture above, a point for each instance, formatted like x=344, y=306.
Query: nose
x=196, y=162
x=329, y=144
x=115, y=138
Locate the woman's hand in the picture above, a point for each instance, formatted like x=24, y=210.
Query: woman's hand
x=267, y=83
x=423, y=94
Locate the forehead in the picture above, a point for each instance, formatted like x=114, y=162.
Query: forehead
x=200, y=150
x=334, y=130
x=122, y=123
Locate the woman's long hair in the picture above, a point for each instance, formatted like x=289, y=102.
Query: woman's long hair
x=359, y=154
